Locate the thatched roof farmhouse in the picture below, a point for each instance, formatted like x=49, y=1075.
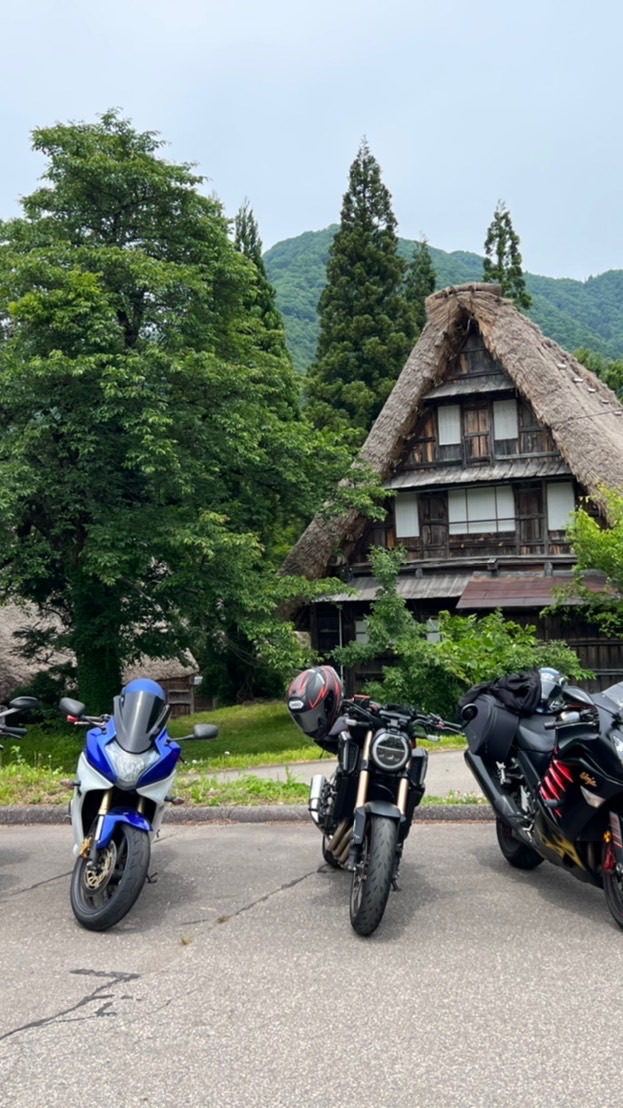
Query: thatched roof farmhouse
x=179, y=679
x=490, y=436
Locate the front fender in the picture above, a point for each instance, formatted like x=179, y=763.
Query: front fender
x=372, y=808
x=120, y=815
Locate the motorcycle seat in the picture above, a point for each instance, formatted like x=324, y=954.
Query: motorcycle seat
x=532, y=735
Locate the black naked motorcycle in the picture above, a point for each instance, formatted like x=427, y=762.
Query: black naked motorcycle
x=554, y=778
x=366, y=808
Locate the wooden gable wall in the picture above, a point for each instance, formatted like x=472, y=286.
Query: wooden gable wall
x=479, y=444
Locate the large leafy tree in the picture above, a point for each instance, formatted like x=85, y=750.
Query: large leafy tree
x=366, y=328
x=420, y=281
x=151, y=445
x=502, y=263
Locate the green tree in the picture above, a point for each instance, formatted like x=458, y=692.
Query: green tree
x=151, y=447
x=468, y=651
x=260, y=299
x=599, y=548
x=366, y=330
x=502, y=264
x=420, y=282
x=609, y=369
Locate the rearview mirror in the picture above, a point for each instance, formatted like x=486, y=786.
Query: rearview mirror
x=205, y=731
x=201, y=731
x=71, y=707
x=24, y=703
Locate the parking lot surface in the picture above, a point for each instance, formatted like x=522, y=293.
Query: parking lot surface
x=236, y=979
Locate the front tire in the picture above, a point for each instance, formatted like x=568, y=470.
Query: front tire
x=373, y=877
x=613, y=888
x=103, y=892
x=517, y=854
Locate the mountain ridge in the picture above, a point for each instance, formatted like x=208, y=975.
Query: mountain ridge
x=574, y=313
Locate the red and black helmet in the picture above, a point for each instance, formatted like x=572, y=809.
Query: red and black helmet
x=314, y=699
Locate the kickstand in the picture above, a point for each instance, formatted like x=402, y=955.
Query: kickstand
x=152, y=879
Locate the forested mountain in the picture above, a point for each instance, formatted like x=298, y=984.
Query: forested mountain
x=574, y=313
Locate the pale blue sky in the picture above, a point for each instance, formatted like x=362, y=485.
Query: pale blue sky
x=462, y=102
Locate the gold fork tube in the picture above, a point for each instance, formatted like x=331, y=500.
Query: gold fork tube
x=403, y=791
x=364, y=776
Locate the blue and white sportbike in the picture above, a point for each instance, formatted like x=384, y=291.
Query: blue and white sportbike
x=124, y=779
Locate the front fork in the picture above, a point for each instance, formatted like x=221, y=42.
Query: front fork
x=88, y=848
x=362, y=814
x=613, y=839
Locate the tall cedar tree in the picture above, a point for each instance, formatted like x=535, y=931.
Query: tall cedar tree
x=419, y=282
x=502, y=263
x=150, y=445
x=261, y=301
x=366, y=328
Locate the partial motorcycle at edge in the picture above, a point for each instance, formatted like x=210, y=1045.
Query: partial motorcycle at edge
x=365, y=809
x=551, y=766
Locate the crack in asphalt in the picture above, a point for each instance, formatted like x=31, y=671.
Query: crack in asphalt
x=252, y=903
x=98, y=994
x=37, y=885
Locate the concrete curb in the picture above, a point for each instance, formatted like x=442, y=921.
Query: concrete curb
x=286, y=813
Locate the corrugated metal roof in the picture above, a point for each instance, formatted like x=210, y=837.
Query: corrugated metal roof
x=451, y=475
x=428, y=587
x=522, y=591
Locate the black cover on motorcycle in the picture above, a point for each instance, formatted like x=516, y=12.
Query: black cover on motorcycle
x=491, y=728
x=519, y=692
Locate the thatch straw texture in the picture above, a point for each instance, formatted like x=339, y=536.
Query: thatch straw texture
x=15, y=670
x=582, y=414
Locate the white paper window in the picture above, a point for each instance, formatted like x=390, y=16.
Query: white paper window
x=449, y=424
x=407, y=515
x=505, y=424
x=560, y=504
x=361, y=630
x=476, y=511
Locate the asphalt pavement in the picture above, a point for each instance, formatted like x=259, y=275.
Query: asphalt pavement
x=236, y=980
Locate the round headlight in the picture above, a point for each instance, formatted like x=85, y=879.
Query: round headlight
x=390, y=751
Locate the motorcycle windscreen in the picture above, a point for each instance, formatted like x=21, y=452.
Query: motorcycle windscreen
x=138, y=717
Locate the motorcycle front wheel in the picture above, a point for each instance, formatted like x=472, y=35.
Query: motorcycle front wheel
x=373, y=877
x=613, y=888
x=518, y=854
x=103, y=891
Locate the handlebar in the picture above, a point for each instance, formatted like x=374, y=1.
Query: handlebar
x=404, y=716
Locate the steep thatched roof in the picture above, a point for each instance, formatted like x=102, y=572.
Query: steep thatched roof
x=15, y=670
x=582, y=414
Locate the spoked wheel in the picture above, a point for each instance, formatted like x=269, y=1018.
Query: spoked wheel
x=613, y=885
x=373, y=877
x=518, y=854
x=103, y=891
x=327, y=854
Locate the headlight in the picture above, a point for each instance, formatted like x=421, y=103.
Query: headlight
x=129, y=767
x=390, y=751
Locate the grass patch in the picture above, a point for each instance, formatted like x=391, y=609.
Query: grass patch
x=209, y=792
x=250, y=735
